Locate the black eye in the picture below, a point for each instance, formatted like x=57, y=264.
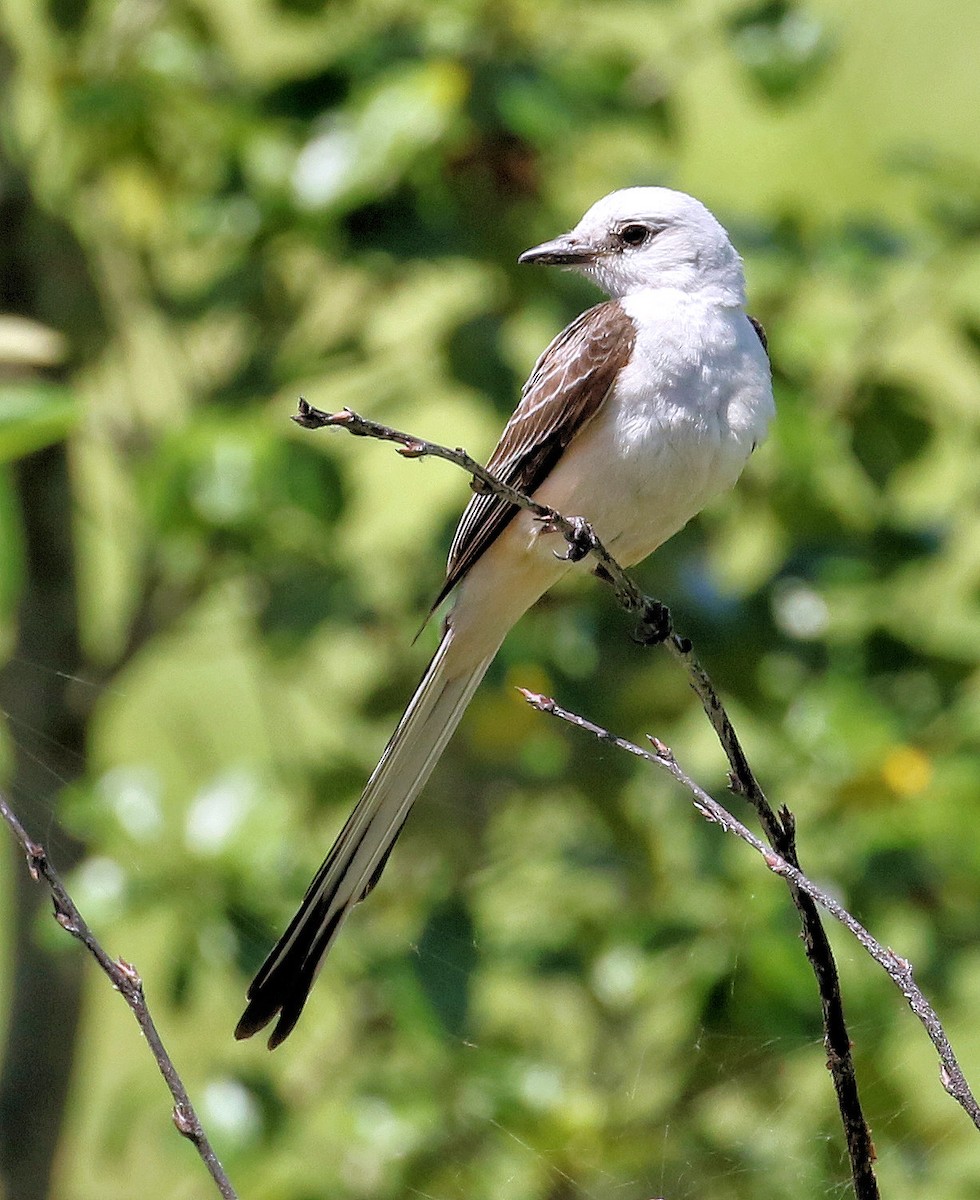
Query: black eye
x=634, y=235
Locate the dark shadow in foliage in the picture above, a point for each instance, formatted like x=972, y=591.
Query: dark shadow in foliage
x=444, y=964
x=888, y=431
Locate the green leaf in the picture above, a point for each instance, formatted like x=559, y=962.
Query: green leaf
x=32, y=416
x=781, y=46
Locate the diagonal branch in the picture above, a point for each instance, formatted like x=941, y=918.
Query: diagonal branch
x=655, y=627
x=580, y=536
x=125, y=980
x=898, y=969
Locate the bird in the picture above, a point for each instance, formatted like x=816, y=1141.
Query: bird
x=638, y=414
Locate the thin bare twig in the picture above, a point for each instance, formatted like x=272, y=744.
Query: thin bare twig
x=580, y=536
x=898, y=969
x=780, y=831
x=656, y=626
x=126, y=980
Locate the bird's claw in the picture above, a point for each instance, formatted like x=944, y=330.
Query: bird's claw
x=655, y=624
x=580, y=539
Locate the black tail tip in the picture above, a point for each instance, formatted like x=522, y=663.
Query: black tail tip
x=257, y=1015
x=246, y=1028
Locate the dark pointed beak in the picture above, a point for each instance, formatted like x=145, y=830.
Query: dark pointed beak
x=566, y=250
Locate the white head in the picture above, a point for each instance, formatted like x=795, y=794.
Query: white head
x=646, y=237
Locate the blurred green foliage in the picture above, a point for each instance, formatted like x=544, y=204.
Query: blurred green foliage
x=566, y=985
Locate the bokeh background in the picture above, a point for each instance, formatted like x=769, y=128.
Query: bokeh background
x=566, y=986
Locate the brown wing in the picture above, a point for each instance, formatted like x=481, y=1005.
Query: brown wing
x=566, y=389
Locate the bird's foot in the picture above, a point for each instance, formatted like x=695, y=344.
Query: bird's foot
x=581, y=539
x=655, y=624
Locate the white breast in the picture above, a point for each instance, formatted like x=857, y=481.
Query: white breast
x=685, y=415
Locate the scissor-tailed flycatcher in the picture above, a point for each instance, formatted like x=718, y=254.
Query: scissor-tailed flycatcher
x=640, y=412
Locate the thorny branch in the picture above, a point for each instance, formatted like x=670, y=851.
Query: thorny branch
x=125, y=980
x=655, y=627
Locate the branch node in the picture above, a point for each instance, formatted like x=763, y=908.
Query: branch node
x=129, y=973
x=36, y=858
x=536, y=700
x=185, y=1124
x=662, y=750
x=902, y=965
x=309, y=417
x=735, y=785
x=66, y=920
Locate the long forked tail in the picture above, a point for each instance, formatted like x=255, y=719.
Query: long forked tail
x=358, y=857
